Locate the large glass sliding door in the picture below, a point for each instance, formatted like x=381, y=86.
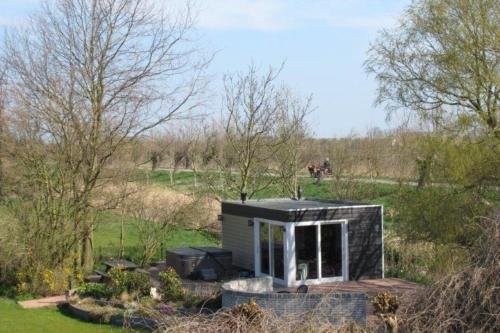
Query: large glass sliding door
x=306, y=252
x=302, y=252
x=277, y=252
x=320, y=251
x=272, y=245
x=264, y=248
x=331, y=250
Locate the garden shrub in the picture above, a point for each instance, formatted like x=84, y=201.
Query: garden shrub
x=139, y=282
x=421, y=261
x=130, y=282
x=464, y=301
x=385, y=303
x=118, y=280
x=250, y=311
x=213, y=303
x=7, y=291
x=42, y=281
x=441, y=215
x=172, y=288
x=165, y=309
x=385, y=306
x=95, y=290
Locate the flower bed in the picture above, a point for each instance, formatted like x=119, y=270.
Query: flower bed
x=108, y=315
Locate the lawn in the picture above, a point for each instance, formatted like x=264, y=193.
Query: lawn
x=183, y=179
x=14, y=319
x=107, y=237
x=163, y=177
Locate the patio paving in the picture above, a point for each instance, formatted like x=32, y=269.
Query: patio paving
x=42, y=302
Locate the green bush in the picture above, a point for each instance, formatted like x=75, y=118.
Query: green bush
x=95, y=290
x=118, y=280
x=7, y=291
x=172, y=288
x=140, y=283
x=130, y=282
x=438, y=214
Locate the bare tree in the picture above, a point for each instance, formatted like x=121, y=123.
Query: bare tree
x=2, y=107
x=345, y=156
x=372, y=144
x=251, y=117
x=177, y=145
x=156, y=215
x=293, y=130
x=88, y=76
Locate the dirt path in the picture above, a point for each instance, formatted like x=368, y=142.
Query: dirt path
x=42, y=302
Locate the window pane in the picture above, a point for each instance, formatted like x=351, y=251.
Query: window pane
x=277, y=252
x=306, y=253
x=331, y=250
x=264, y=248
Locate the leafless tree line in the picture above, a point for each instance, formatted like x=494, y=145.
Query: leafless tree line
x=376, y=154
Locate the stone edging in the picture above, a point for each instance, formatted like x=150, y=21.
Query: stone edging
x=116, y=320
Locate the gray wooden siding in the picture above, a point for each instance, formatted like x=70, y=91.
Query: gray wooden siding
x=365, y=243
x=365, y=238
x=237, y=237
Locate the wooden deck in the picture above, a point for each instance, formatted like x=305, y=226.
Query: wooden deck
x=403, y=289
x=370, y=287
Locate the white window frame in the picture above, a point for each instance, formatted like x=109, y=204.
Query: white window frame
x=257, y=254
x=289, y=251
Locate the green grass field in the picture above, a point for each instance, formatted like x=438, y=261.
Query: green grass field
x=107, y=237
x=370, y=192
x=14, y=319
x=163, y=177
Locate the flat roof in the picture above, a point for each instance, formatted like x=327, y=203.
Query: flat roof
x=293, y=205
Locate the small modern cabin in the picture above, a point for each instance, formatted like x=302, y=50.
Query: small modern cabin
x=305, y=241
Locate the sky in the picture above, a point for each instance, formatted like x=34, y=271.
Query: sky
x=323, y=44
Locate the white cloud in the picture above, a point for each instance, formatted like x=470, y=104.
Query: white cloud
x=244, y=14
x=361, y=22
x=271, y=15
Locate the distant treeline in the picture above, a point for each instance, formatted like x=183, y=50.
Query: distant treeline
x=379, y=154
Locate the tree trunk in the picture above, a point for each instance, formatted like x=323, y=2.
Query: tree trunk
x=122, y=236
x=87, y=255
x=194, y=177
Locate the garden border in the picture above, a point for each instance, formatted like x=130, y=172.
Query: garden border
x=115, y=320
